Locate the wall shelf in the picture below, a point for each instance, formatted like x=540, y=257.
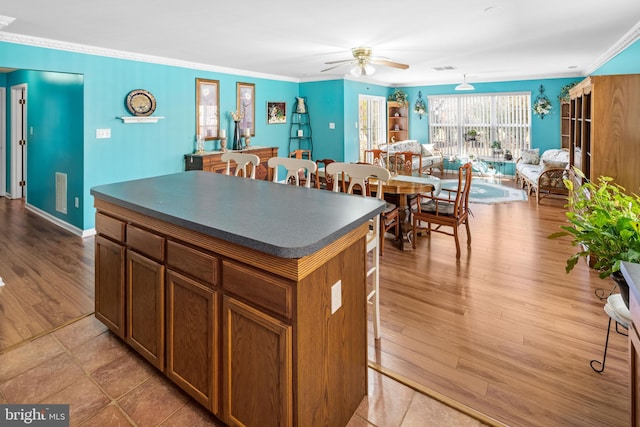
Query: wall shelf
x=140, y=119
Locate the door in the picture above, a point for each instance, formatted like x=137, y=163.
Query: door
x=372, y=116
x=18, y=141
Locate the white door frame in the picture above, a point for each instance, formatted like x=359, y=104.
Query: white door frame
x=18, y=131
x=3, y=141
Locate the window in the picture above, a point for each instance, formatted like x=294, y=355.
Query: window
x=469, y=124
x=372, y=121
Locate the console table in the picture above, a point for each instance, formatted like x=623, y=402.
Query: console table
x=236, y=297
x=210, y=161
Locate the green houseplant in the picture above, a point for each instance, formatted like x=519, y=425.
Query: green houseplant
x=604, y=222
x=399, y=96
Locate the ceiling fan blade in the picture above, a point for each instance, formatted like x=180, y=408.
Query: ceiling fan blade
x=389, y=63
x=338, y=62
x=335, y=66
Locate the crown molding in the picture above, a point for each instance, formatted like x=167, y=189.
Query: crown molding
x=131, y=56
x=627, y=40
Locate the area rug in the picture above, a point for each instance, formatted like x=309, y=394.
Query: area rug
x=489, y=192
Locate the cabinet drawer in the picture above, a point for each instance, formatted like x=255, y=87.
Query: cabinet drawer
x=265, y=291
x=192, y=262
x=110, y=227
x=145, y=242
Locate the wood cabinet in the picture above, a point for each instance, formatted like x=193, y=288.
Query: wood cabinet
x=255, y=338
x=565, y=124
x=192, y=338
x=211, y=161
x=109, y=288
x=605, y=130
x=397, y=122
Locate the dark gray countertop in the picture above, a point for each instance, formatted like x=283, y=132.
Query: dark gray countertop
x=281, y=220
x=631, y=272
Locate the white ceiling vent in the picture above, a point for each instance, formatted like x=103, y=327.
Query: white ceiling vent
x=61, y=192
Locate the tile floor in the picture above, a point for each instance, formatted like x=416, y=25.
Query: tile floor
x=107, y=384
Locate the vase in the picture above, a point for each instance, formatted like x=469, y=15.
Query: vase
x=237, y=142
x=300, y=107
x=622, y=285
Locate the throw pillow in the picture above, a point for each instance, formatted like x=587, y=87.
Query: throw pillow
x=427, y=150
x=531, y=157
x=548, y=164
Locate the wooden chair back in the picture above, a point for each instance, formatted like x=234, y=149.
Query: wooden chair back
x=298, y=170
x=375, y=156
x=300, y=154
x=243, y=162
x=357, y=176
x=403, y=162
x=325, y=181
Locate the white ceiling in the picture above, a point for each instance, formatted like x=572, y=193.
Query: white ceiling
x=489, y=40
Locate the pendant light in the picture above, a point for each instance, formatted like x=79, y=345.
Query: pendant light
x=464, y=85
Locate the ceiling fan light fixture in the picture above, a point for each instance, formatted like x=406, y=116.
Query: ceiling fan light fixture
x=362, y=69
x=464, y=85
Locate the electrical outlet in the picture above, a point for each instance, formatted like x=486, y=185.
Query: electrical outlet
x=336, y=296
x=103, y=133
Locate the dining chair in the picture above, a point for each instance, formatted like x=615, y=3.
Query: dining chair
x=298, y=170
x=325, y=181
x=403, y=163
x=242, y=161
x=375, y=156
x=300, y=154
x=451, y=211
x=358, y=176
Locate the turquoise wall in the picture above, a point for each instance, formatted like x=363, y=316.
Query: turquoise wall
x=54, y=136
x=143, y=150
x=625, y=62
x=545, y=133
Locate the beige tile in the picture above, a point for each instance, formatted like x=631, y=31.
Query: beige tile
x=44, y=380
x=193, y=415
x=28, y=356
x=83, y=397
x=80, y=331
x=356, y=421
x=425, y=411
x=387, y=401
x=153, y=401
x=111, y=416
x=123, y=374
x=99, y=351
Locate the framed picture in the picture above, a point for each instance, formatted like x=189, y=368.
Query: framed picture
x=246, y=105
x=207, y=108
x=276, y=113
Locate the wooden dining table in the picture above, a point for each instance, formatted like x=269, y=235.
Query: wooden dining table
x=400, y=188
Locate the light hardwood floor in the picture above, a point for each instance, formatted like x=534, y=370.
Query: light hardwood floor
x=503, y=331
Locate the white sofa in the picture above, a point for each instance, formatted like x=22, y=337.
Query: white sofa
x=429, y=156
x=543, y=174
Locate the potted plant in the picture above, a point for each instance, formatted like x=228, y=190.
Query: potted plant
x=471, y=135
x=604, y=222
x=400, y=97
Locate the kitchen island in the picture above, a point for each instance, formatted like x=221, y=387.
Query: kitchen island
x=249, y=295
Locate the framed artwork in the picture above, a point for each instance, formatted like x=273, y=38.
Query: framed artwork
x=246, y=105
x=207, y=108
x=276, y=113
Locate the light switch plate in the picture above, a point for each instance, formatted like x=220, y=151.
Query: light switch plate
x=332, y=125
x=336, y=296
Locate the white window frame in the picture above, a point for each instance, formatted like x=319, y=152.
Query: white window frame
x=512, y=129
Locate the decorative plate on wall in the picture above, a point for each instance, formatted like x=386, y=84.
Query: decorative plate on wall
x=141, y=102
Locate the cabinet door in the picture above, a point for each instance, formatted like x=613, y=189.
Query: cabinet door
x=634, y=360
x=109, y=283
x=192, y=338
x=257, y=369
x=145, y=307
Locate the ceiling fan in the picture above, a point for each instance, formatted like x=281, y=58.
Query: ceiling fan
x=362, y=59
